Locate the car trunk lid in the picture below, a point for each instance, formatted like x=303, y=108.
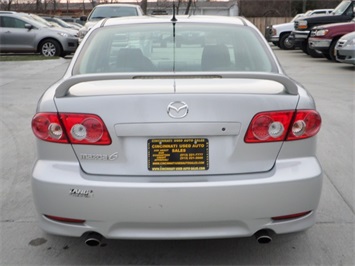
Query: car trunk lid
x=176, y=126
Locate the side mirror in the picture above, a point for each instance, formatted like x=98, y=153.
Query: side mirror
x=28, y=26
x=83, y=18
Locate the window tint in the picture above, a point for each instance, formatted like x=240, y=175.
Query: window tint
x=163, y=48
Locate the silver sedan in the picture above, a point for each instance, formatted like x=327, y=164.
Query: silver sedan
x=345, y=49
x=175, y=128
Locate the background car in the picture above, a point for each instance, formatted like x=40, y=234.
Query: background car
x=20, y=33
x=344, y=12
x=144, y=140
x=51, y=24
x=345, y=49
x=108, y=11
x=73, y=20
x=62, y=23
x=324, y=37
x=278, y=34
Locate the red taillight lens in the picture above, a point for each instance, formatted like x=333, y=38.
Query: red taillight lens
x=47, y=126
x=283, y=125
x=79, y=128
x=85, y=129
x=269, y=126
x=306, y=124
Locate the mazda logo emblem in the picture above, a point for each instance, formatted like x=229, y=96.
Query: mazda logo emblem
x=177, y=110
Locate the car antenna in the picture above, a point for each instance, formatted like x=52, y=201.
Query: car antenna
x=173, y=19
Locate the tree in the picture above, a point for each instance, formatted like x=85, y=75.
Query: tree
x=8, y=6
x=144, y=5
x=188, y=7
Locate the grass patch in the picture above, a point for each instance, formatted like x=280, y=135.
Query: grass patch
x=26, y=57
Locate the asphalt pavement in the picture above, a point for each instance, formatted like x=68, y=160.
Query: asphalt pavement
x=330, y=241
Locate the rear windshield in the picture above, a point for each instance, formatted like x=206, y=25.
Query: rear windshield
x=181, y=48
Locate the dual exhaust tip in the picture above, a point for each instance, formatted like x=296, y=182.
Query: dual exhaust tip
x=93, y=239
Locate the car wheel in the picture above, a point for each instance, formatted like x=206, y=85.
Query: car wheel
x=304, y=47
x=332, y=56
x=327, y=56
x=314, y=53
x=284, y=43
x=50, y=48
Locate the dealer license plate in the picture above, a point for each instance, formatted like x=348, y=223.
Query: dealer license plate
x=178, y=154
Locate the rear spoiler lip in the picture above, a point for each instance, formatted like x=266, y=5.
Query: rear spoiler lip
x=290, y=86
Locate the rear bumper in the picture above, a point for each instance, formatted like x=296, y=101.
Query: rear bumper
x=236, y=206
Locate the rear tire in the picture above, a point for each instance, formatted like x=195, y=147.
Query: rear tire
x=327, y=56
x=50, y=48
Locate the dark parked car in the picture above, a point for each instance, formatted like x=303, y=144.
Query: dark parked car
x=344, y=12
x=324, y=38
x=20, y=33
x=278, y=34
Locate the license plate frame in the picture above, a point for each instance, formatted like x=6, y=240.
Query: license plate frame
x=178, y=154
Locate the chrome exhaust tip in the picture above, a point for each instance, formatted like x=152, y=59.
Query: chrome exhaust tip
x=263, y=237
x=93, y=239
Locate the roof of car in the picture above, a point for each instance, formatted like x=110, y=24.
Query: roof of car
x=131, y=5
x=194, y=19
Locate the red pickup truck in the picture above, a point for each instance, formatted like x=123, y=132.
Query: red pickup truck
x=324, y=37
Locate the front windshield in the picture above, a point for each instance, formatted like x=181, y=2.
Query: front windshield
x=341, y=7
x=32, y=21
x=165, y=48
x=111, y=12
x=297, y=17
x=62, y=23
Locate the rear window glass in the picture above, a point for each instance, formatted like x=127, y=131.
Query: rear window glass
x=166, y=48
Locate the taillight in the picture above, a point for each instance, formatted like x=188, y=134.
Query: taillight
x=283, y=125
x=71, y=128
x=47, y=126
x=85, y=129
x=306, y=124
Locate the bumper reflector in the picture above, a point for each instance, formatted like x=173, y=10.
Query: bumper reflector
x=291, y=216
x=64, y=220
